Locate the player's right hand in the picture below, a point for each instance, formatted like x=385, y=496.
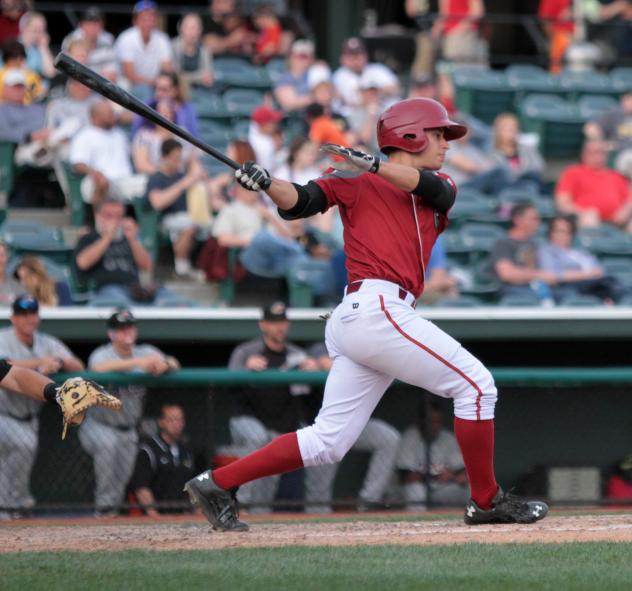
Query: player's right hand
x=253, y=176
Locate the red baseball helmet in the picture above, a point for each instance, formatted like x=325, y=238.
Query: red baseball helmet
x=402, y=125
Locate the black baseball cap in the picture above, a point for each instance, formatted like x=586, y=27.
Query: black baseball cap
x=275, y=312
x=92, y=13
x=24, y=304
x=121, y=318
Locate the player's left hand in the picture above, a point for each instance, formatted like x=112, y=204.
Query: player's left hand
x=253, y=176
x=76, y=395
x=352, y=159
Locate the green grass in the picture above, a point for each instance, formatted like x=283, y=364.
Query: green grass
x=510, y=567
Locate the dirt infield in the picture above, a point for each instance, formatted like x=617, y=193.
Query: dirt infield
x=192, y=534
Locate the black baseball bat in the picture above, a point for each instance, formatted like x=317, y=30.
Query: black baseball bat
x=115, y=93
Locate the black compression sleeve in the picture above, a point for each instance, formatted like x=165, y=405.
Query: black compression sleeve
x=4, y=368
x=311, y=200
x=436, y=190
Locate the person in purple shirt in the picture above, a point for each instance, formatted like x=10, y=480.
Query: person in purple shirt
x=168, y=87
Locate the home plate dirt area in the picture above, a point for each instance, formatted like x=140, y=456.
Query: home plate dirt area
x=192, y=533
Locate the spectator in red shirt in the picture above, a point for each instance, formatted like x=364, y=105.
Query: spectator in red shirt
x=594, y=192
x=558, y=25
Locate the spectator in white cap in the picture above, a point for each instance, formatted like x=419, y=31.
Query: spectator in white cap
x=20, y=123
x=354, y=63
x=143, y=51
x=14, y=58
x=293, y=89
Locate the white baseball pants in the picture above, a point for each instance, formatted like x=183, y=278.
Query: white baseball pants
x=373, y=337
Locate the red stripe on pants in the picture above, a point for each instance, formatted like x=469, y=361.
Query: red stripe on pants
x=469, y=380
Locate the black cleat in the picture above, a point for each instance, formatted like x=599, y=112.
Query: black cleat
x=506, y=508
x=219, y=505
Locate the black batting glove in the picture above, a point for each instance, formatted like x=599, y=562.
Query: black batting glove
x=253, y=177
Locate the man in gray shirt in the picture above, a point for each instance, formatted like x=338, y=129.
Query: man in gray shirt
x=20, y=123
x=111, y=438
x=25, y=347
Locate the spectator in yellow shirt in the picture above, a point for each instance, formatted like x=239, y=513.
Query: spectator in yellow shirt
x=14, y=57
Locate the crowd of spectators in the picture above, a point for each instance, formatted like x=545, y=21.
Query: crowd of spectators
x=59, y=124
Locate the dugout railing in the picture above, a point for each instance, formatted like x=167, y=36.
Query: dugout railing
x=559, y=432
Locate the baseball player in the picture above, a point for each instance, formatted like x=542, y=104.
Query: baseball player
x=392, y=211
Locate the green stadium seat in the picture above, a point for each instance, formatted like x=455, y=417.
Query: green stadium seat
x=529, y=78
x=233, y=71
x=213, y=166
x=481, y=237
x=462, y=301
x=242, y=101
x=526, y=192
x=483, y=283
x=293, y=126
x=148, y=220
x=79, y=209
x=227, y=286
x=579, y=83
x=557, y=122
x=216, y=132
x=107, y=302
x=470, y=206
x=175, y=301
x=626, y=301
x=241, y=127
x=208, y=104
x=24, y=238
x=455, y=247
x=592, y=106
x=276, y=67
x=621, y=79
x=616, y=266
x=521, y=300
x=582, y=300
x=483, y=93
x=60, y=253
x=7, y=171
x=605, y=241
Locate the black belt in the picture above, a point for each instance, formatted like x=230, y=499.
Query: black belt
x=355, y=286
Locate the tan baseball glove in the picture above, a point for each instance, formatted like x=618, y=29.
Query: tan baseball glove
x=76, y=396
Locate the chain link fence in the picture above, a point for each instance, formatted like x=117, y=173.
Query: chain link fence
x=561, y=442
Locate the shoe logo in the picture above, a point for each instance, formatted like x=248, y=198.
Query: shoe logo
x=471, y=511
x=537, y=510
x=203, y=476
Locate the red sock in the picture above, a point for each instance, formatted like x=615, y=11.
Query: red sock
x=280, y=455
x=476, y=440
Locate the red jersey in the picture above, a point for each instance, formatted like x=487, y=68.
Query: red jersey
x=388, y=233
